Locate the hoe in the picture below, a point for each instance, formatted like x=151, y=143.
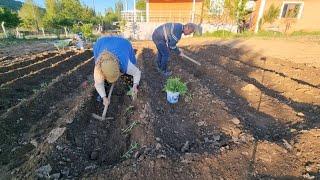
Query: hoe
x=103, y=117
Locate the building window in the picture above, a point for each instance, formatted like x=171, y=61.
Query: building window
x=291, y=10
x=217, y=7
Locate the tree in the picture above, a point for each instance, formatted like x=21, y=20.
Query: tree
x=141, y=5
x=271, y=15
x=109, y=10
x=236, y=9
x=213, y=10
x=70, y=12
x=51, y=15
x=11, y=4
x=118, y=7
x=30, y=15
x=11, y=19
x=88, y=15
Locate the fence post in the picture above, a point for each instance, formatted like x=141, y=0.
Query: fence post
x=17, y=33
x=65, y=30
x=4, y=30
x=44, y=35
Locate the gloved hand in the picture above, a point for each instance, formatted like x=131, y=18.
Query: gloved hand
x=181, y=53
x=105, y=101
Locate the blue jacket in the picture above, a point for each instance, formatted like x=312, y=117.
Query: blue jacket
x=119, y=47
x=170, y=33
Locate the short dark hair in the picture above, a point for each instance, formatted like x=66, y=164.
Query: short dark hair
x=191, y=26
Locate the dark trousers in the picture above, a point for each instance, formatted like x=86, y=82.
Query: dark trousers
x=163, y=52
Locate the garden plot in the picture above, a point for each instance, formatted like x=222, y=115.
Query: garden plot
x=244, y=117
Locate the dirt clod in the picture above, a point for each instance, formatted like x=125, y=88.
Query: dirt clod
x=44, y=171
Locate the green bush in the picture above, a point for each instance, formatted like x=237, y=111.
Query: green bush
x=86, y=29
x=175, y=85
x=271, y=15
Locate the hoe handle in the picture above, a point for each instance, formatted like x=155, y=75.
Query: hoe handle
x=190, y=59
x=106, y=107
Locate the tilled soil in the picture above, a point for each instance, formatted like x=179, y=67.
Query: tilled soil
x=16, y=90
x=38, y=64
x=245, y=116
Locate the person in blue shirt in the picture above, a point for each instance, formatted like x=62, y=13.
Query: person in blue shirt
x=114, y=56
x=166, y=38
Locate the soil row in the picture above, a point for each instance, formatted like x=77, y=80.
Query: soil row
x=22, y=61
x=15, y=91
x=19, y=121
x=19, y=72
x=297, y=72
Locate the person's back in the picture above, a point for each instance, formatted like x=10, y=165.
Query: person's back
x=168, y=32
x=118, y=46
x=113, y=55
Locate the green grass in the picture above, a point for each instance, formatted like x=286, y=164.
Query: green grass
x=7, y=42
x=223, y=34
x=227, y=34
x=305, y=33
x=219, y=34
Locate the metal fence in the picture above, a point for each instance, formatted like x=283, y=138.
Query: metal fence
x=134, y=16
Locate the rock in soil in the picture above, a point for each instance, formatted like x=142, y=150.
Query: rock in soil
x=201, y=123
x=55, y=134
x=158, y=146
x=286, y=144
x=235, y=121
x=44, y=171
x=94, y=155
x=249, y=88
x=185, y=147
x=55, y=176
x=161, y=156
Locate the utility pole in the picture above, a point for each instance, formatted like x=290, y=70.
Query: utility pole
x=94, y=7
x=193, y=10
x=134, y=11
x=126, y=5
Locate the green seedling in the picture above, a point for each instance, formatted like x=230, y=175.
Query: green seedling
x=43, y=85
x=129, y=110
x=175, y=85
x=35, y=90
x=90, y=79
x=129, y=128
x=131, y=93
x=129, y=153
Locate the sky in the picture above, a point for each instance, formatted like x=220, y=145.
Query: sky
x=100, y=5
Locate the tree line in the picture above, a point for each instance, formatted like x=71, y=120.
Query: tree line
x=59, y=14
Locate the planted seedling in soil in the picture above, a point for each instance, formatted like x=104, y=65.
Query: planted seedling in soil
x=128, y=154
x=132, y=94
x=129, y=110
x=127, y=130
x=188, y=97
